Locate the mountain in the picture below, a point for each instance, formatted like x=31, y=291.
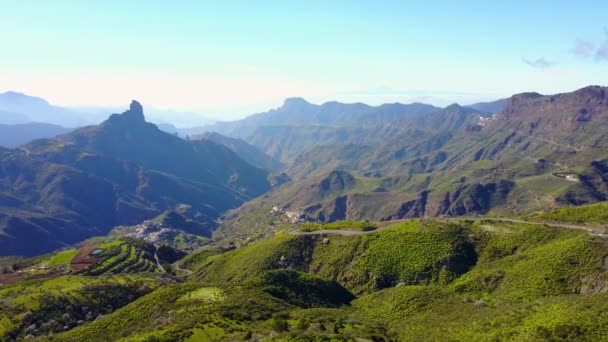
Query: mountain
x=298, y=112
x=538, y=153
x=18, y=134
x=25, y=108
x=489, y=107
x=247, y=152
x=165, y=127
x=10, y=118
x=62, y=190
x=298, y=125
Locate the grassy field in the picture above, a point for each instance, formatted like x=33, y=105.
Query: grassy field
x=591, y=214
x=63, y=258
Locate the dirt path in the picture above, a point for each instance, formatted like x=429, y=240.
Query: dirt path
x=339, y=232
x=160, y=267
x=178, y=268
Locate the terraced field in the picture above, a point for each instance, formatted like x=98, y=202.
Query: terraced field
x=124, y=258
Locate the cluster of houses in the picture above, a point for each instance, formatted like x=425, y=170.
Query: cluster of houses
x=292, y=216
x=484, y=120
x=149, y=231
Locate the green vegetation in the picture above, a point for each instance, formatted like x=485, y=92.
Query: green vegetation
x=52, y=304
x=409, y=253
x=124, y=256
x=205, y=294
x=339, y=225
x=245, y=264
x=303, y=289
x=593, y=213
x=63, y=257
x=417, y=280
x=194, y=260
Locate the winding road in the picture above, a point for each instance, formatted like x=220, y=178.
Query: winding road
x=178, y=268
x=592, y=231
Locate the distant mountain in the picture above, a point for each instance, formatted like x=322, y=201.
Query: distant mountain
x=247, y=152
x=297, y=125
x=62, y=190
x=489, y=107
x=10, y=118
x=165, y=127
x=299, y=112
x=34, y=109
x=539, y=152
x=190, y=131
x=19, y=134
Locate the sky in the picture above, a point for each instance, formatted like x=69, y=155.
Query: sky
x=228, y=59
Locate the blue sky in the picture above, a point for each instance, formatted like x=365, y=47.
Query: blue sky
x=231, y=58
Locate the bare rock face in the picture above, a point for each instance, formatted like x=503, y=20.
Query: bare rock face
x=466, y=199
x=134, y=115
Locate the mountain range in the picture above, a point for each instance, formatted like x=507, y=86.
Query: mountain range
x=13, y=135
x=537, y=153
x=339, y=161
x=65, y=189
x=21, y=108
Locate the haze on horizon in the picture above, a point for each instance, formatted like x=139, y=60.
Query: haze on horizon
x=232, y=59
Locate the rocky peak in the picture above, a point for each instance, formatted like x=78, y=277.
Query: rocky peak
x=135, y=114
x=136, y=108
x=295, y=103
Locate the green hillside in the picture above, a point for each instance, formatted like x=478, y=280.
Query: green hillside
x=470, y=279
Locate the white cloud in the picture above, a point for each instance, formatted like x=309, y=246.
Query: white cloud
x=583, y=48
x=602, y=52
x=586, y=49
x=539, y=63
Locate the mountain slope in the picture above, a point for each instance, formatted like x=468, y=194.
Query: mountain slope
x=539, y=152
x=247, y=152
x=489, y=107
x=18, y=134
x=121, y=172
x=36, y=109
